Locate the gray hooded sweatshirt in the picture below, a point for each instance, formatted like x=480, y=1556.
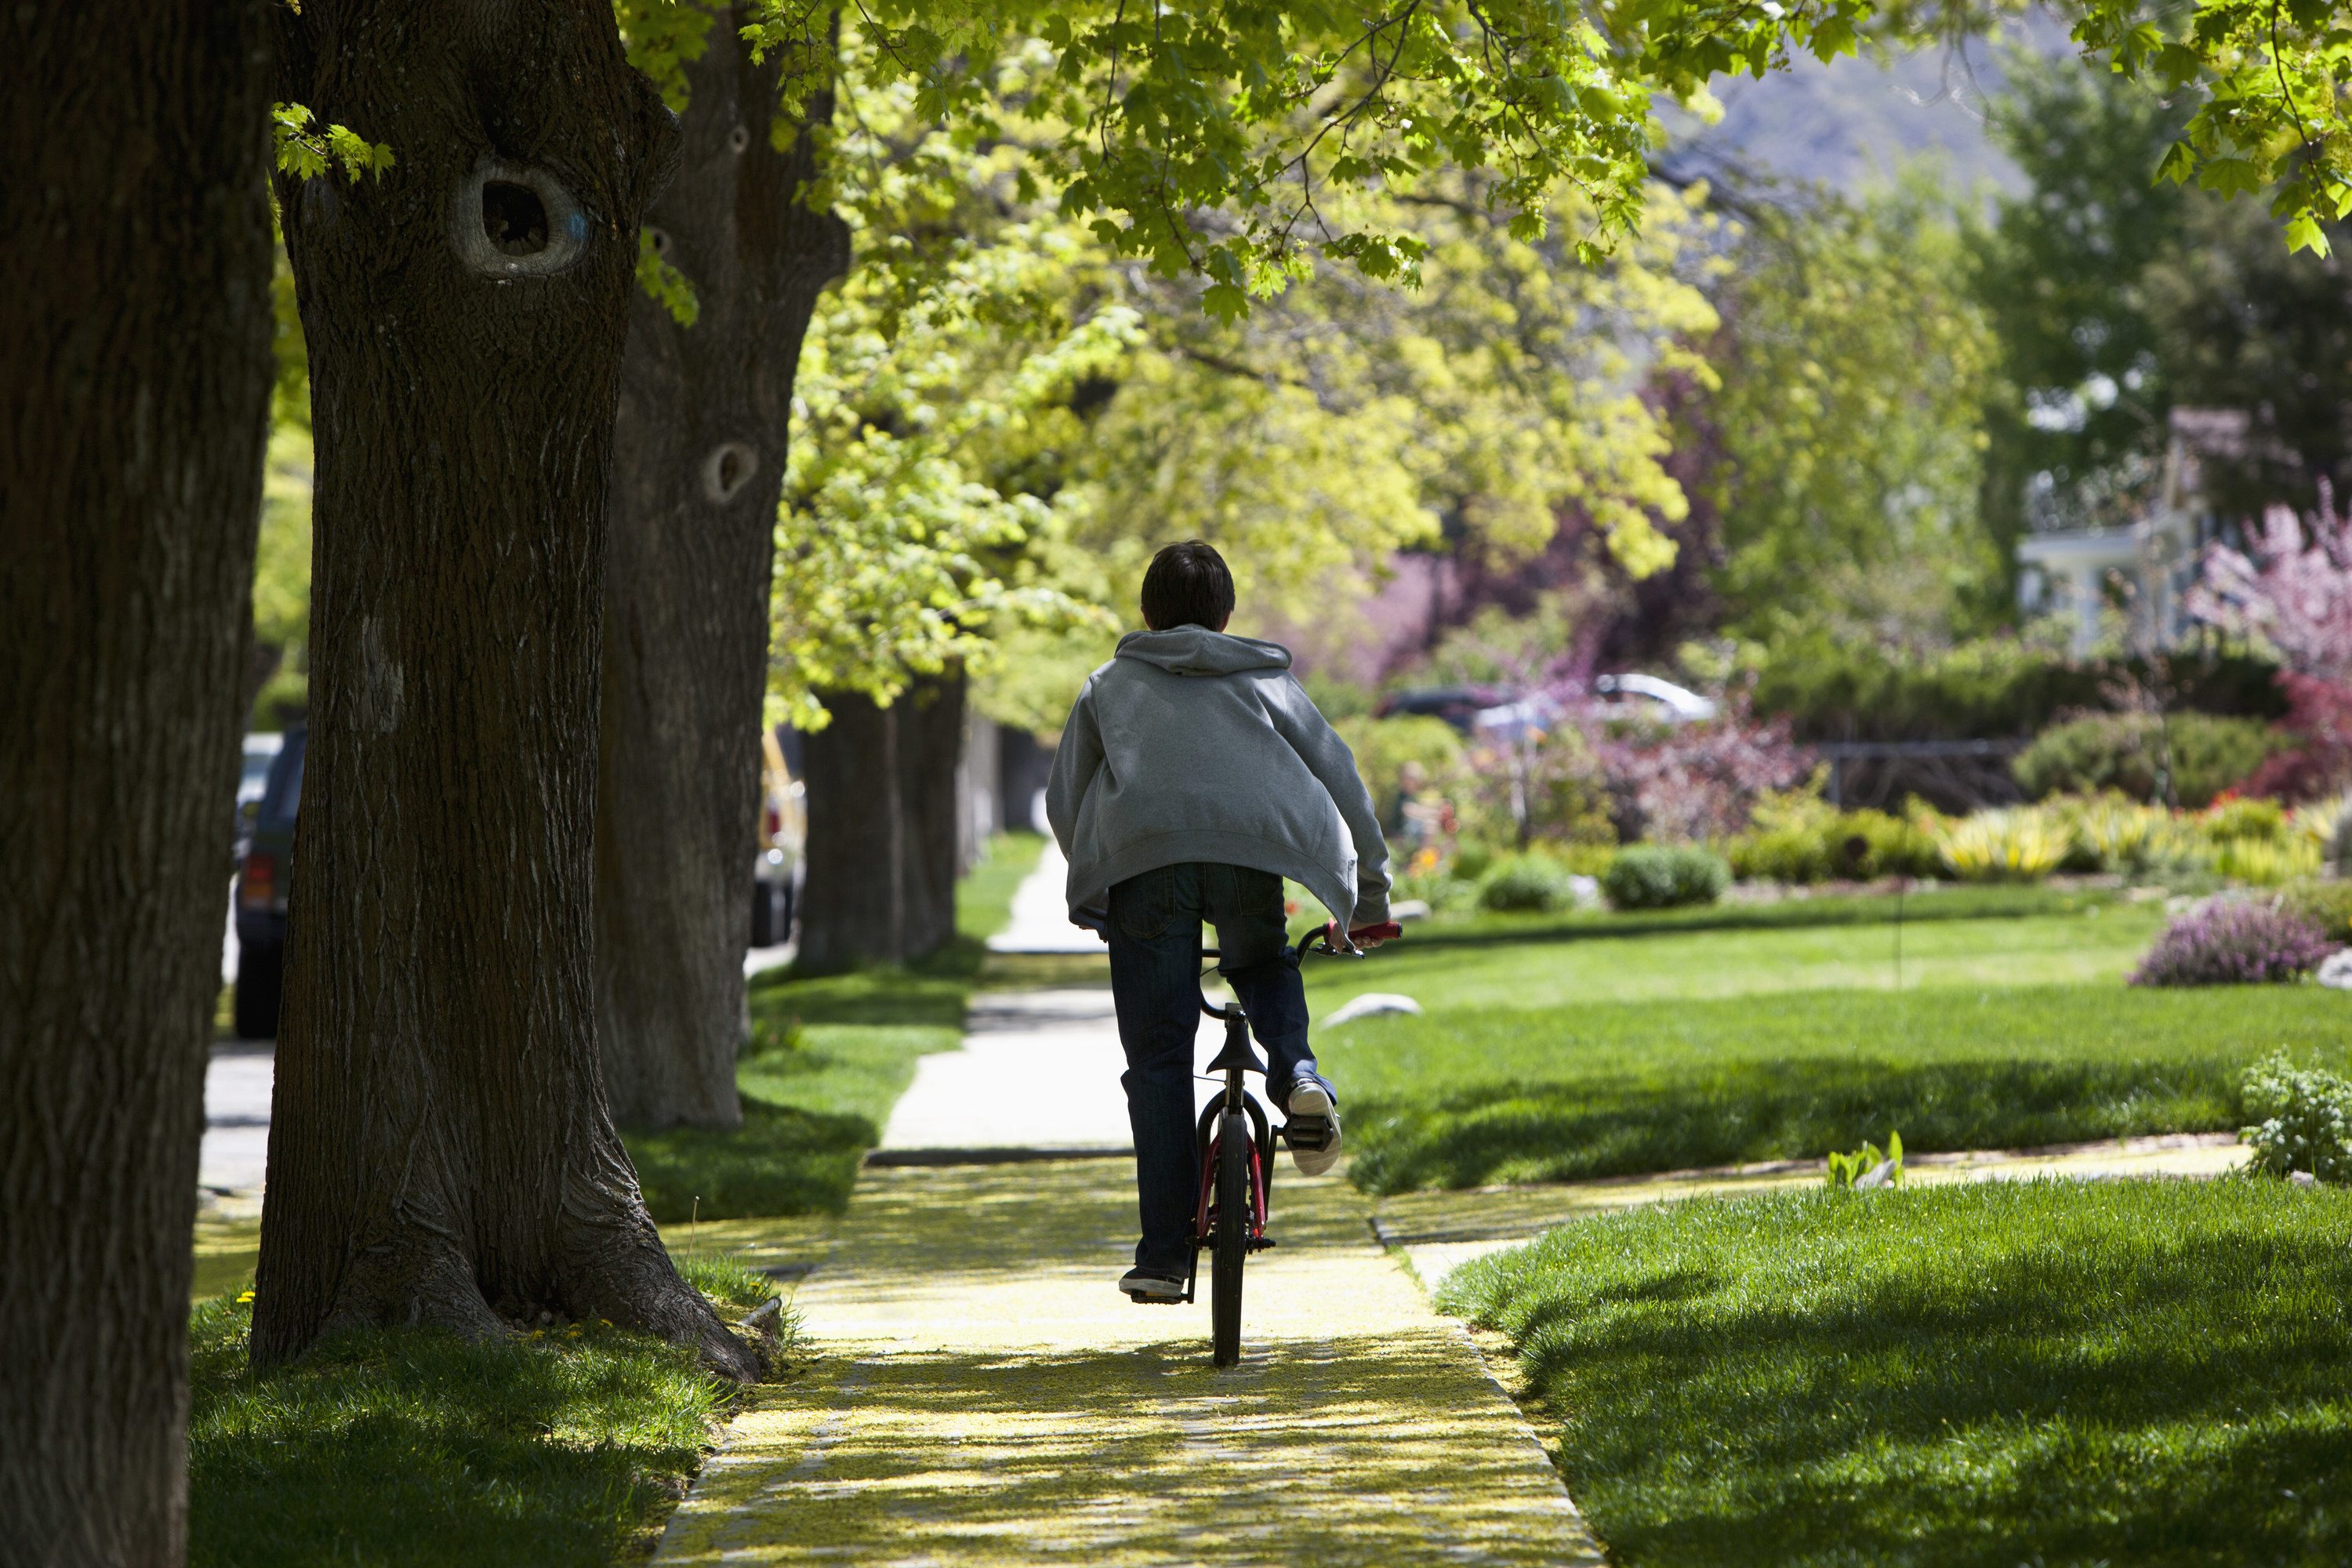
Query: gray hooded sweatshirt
x=1193, y=745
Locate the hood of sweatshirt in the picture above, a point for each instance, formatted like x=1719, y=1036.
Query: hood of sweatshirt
x=1197, y=651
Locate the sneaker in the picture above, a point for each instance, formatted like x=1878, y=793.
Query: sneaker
x=1313, y=1119
x=1151, y=1287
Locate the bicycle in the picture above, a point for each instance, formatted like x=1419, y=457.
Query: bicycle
x=1237, y=1141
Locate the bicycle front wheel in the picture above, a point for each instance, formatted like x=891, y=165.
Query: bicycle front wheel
x=1234, y=1220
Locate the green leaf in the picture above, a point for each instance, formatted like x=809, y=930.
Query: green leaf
x=1833, y=37
x=665, y=284
x=2231, y=176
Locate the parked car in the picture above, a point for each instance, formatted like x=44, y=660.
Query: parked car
x=262, y=875
x=776, y=863
x=261, y=749
x=1457, y=705
x=1656, y=698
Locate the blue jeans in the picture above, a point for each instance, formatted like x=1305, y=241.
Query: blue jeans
x=1155, y=979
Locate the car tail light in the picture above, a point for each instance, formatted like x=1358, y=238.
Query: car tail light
x=775, y=820
x=259, y=890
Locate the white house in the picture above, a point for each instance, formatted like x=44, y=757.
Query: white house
x=2153, y=561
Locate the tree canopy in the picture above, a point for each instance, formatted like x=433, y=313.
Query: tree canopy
x=2115, y=299
x=999, y=416
x=1855, y=369
x=1108, y=201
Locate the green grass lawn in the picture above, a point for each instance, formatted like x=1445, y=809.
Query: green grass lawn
x=829, y=1056
x=1467, y=1098
x=416, y=1446
x=1926, y=902
x=984, y=897
x=1978, y=1377
x=1548, y=969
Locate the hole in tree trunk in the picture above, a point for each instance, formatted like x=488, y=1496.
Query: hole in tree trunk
x=727, y=470
x=513, y=218
x=738, y=140
x=660, y=237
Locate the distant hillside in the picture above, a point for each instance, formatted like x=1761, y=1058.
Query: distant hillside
x=1852, y=123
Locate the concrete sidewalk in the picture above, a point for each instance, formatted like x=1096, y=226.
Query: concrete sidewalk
x=237, y=1085
x=981, y=1395
x=1040, y=919
x=1038, y=1070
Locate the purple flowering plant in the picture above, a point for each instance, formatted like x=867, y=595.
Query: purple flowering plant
x=2234, y=941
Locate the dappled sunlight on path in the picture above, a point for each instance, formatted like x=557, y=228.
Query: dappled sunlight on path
x=980, y=1393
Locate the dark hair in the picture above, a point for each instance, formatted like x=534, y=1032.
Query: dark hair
x=1186, y=585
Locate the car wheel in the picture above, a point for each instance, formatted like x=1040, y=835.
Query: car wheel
x=260, y=976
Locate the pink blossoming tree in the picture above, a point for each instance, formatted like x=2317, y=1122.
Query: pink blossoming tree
x=2292, y=588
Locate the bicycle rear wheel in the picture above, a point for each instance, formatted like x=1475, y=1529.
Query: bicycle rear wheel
x=1233, y=1201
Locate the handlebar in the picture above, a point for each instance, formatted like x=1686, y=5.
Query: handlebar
x=1297, y=953
x=1388, y=930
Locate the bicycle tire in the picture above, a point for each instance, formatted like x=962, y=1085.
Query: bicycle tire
x=1233, y=1141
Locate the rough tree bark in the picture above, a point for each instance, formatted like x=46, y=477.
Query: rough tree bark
x=134, y=388
x=881, y=826
x=699, y=467
x=440, y=1152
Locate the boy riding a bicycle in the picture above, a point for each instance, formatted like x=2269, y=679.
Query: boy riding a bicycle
x=1193, y=775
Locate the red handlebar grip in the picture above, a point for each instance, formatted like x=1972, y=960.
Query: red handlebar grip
x=1387, y=932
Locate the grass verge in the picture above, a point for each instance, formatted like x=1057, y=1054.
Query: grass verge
x=829, y=1056
x=416, y=1446
x=1473, y=1098
x=1966, y=1376
x=815, y=1098
x=984, y=897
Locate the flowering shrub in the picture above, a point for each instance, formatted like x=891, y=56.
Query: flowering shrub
x=2019, y=845
x=2306, y=1121
x=1694, y=783
x=2294, y=589
x=2119, y=834
x=2233, y=942
x=1797, y=837
x=2266, y=862
x=2319, y=719
x=2255, y=841
x=1535, y=786
x=2236, y=816
x=1654, y=877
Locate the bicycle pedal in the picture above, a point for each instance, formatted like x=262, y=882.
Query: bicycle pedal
x=1314, y=1136
x=1140, y=1299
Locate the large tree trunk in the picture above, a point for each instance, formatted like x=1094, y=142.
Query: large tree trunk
x=134, y=394
x=697, y=469
x=881, y=826
x=439, y=1149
